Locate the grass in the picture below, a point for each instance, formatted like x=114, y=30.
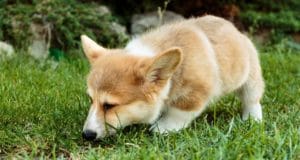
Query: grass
x=43, y=106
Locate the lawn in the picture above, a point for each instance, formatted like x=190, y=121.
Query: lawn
x=43, y=106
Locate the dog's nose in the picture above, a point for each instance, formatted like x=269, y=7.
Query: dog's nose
x=89, y=135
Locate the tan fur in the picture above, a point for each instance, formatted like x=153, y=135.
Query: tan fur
x=209, y=58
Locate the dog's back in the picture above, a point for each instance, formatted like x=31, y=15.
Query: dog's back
x=217, y=58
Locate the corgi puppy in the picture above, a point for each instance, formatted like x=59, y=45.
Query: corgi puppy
x=167, y=76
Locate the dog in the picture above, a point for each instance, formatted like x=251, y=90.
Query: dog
x=169, y=75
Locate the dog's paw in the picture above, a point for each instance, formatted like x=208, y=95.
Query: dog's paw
x=164, y=127
x=159, y=129
x=255, y=112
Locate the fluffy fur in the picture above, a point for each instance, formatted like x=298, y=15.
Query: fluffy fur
x=168, y=76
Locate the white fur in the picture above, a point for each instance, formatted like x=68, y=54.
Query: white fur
x=90, y=92
x=174, y=119
x=254, y=111
x=137, y=48
x=160, y=102
x=249, y=95
x=92, y=123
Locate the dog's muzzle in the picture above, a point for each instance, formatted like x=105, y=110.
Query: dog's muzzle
x=89, y=135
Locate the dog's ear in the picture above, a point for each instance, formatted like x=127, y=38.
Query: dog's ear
x=91, y=49
x=164, y=65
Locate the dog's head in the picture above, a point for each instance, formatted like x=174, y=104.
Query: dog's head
x=125, y=89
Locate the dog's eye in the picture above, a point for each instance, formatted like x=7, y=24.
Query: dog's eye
x=108, y=106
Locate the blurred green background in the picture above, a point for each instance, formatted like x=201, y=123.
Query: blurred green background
x=59, y=23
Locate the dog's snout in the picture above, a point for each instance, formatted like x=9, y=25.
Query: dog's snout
x=89, y=135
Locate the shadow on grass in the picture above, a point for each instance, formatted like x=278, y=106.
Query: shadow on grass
x=225, y=115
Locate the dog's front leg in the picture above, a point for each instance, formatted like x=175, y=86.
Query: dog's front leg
x=174, y=120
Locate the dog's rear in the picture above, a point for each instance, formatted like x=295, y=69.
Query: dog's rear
x=230, y=45
x=175, y=70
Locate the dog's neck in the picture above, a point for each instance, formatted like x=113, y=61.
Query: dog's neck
x=160, y=102
x=138, y=48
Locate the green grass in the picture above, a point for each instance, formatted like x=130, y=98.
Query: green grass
x=43, y=106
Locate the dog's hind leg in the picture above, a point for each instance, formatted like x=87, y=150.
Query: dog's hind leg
x=252, y=90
